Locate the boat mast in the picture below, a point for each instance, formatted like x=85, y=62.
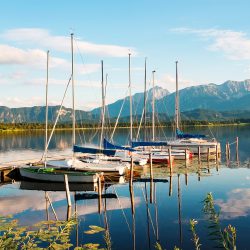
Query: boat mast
x=177, y=115
x=46, y=113
x=103, y=108
x=130, y=100
x=73, y=94
x=145, y=97
x=153, y=106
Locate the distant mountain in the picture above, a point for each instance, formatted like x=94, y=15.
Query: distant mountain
x=231, y=95
x=138, y=103
x=199, y=115
x=204, y=102
x=37, y=115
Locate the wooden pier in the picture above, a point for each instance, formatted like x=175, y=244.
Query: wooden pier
x=5, y=170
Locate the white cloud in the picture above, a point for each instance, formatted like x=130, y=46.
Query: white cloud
x=168, y=82
x=236, y=205
x=25, y=201
x=22, y=102
x=42, y=37
x=34, y=57
x=13, y=55
x=36, y=205
x=235, y=44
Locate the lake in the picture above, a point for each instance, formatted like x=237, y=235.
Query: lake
x=162, y=210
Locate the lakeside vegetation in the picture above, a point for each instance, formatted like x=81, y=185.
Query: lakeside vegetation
x=57, y=234
x=12, y=127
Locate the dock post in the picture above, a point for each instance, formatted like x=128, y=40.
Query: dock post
x=99, y=195
x=170, y=185
x=186, y=157
x=237, y=148
x=131, y=170
x=131, y=191
x=151, y=179
x=2, y=176
x=170, y=159
x=216, y=151
x=67, y=189
x=208, y=154
x=151, y=166
x=186, y=178
x=199, y=154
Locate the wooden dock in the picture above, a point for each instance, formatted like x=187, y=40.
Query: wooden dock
x=4, y=171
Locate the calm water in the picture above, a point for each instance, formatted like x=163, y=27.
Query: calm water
x=162, y=210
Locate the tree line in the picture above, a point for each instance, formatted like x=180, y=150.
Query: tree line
x=33, y=126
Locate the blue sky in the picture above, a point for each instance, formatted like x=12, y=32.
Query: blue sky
x=209, y=38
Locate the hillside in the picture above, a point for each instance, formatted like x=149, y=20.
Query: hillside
x=230, y=100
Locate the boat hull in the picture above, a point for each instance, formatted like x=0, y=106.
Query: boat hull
x=194, y=147
x=38, y=174
x=85, y=164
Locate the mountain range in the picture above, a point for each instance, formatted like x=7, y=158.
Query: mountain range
x=225, y=101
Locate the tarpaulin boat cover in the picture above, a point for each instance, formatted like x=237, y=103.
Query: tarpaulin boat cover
x=82, y=149
x=180, y=135
x=109, y=145
x=148, y=143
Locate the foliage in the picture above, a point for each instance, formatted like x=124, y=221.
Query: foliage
x=225, y=239
x=56, y=234
x=45, y=235
x=5, y=127
x=94, y=230
x=195, y=238
x=107, y=239
x=158, y=246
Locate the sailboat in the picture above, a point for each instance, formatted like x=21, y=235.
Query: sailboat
x=98, y=157
x=195, y=142
x=184, y=145
x=50, y=170
x=157, y=149
x=125, y=153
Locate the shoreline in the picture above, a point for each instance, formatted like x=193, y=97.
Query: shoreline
x=13, y=130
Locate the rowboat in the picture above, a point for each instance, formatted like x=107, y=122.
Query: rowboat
x=57, y=175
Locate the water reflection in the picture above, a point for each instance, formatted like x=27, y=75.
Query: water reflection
x=11, y=143
x=236, y=205
x=136, y=214
x=143, y=212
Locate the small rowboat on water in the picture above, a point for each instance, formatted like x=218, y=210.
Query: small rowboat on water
x=57, y=175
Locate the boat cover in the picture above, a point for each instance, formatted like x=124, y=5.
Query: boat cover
x=182, y=135
x=83, y=149
x=109, y=145
x=148, y=143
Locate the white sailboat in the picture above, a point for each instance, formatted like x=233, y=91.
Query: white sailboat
x=194, y=142
x=55, y=173
x=141, y=154
x=158, y=149
x=95, y=159
x=117, y=158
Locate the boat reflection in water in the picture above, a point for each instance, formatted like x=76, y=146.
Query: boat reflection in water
x=140, y=212
x=73, y=187
x=49, y=186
